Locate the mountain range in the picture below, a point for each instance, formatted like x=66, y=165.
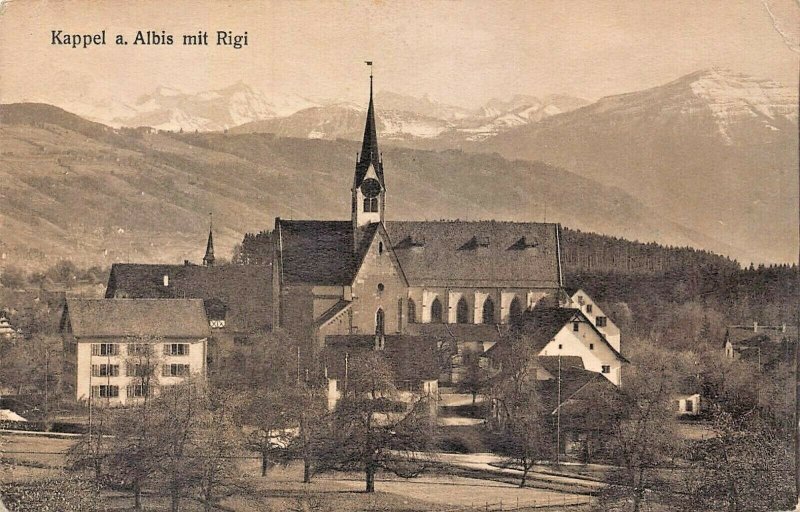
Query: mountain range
x=94, y=194
x=709, y=159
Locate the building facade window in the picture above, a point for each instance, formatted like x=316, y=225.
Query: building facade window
x=591, y=346
x=175, y=370
x=588, y=308
x=462, y=311
x=436, y=311
x=105, y=370
x=105, y=391
x=380, y=326
x=105, y=349
x=576, y=326
x=689, y=406
x=488, y=311
x=139, y=349
x=606, y=368
x=138, y=370
x=139, y=391
x=601, y=321
x=380, y=287
x=412, y=312
x=380, y=247
x=176, y=349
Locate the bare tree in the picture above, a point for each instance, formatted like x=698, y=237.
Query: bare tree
x=372, y=429
x=523, y=434
x=269, y=426
x=643, y=435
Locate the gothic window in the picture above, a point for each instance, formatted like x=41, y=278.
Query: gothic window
x=515, y=312
x=488, y=311
x=462, y=311
x=436, y=311
x=399, y=315
x=379, y=323
x=412, y=312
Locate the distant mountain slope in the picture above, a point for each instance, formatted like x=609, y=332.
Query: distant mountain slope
x=409, y=120
x=78, y=190
x=714, y=150
x=170, y=109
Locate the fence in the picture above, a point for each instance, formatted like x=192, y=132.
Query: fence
x=548, y=501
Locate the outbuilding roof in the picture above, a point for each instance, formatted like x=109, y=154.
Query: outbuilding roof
x=167, y=318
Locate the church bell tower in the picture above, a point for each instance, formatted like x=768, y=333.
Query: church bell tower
x=369, y=189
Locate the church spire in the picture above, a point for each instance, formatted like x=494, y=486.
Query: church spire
x=208, y=259
x=369, y=147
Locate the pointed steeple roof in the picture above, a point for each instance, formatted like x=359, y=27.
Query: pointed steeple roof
x=369, y=147
x=208, y=259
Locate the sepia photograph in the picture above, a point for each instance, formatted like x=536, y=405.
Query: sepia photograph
x=400, y=256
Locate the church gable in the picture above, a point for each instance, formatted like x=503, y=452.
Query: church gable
x=378, y=257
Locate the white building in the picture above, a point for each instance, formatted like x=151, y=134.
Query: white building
x=579, y=299
x=566, y=332
x=119, y=350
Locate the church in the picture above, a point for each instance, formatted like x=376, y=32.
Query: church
x=404, y=280
x=423, y=292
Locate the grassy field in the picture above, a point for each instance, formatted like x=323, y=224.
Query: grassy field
x=39, y=482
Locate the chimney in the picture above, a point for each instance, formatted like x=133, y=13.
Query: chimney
x=166, y=280
x=755, y=326
x=783, y=327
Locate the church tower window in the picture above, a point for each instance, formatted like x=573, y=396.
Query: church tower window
x=436, y=311
x=412, y=311
x=488, y=311
x=462, y=311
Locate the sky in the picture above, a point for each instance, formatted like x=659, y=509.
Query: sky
x=457, y=52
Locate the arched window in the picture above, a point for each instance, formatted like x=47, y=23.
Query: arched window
x=488, y=311
x=412, y=312
x=379, y=323
x=462, y=311
x=436, y=311
x=399, y=315
x=515, y=312
x=370, y=204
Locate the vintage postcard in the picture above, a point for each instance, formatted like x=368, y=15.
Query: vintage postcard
x=448, y=255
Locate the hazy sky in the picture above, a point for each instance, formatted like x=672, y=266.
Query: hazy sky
x=458, y=52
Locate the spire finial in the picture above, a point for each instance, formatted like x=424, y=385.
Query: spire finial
x=369, y=63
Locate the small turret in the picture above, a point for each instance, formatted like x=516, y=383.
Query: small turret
x=208, y=259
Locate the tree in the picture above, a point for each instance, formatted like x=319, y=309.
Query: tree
x=523, y=432
x=372, y=430
x=270, y=424
x=215, y=442
x=643, y=435
x=475, y=377
x=135, y=453
x=744, y=466
x=177, y=411
x=305, y=405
